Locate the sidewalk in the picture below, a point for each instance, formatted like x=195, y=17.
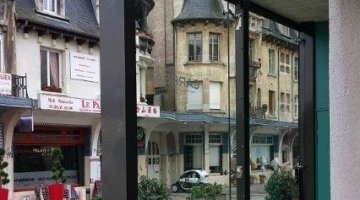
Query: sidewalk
x=257, y=193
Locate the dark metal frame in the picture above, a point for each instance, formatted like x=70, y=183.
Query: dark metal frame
x=306, y=100
x=118, y=98
x=119, y=163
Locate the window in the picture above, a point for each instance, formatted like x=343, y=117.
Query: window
x=253, y=22
x=296, y=68
x=272, y=102
x=194, y=96
x=194, y=47
x=284, y=63
x=214, y=95
x=214, y=47
x=52, y=6
x=50, y=69
x=296, y=106
x=272, y=61
x=282, y=101
x=284, y=30
x=287, y=102
x=215, y=144
x=260, y=139
x=193, y=139
x=258, y=103
x=215, y=138
x=2, y=64
x=252, y=50
x=287, y=67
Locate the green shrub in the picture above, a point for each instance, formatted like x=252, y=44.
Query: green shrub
x=151, y=189
x=281, y=186
x=205, y=190
x=57, y=169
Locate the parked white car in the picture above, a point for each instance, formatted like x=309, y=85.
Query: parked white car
x=189, y=179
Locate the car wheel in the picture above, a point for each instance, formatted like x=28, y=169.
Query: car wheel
x=174, y=188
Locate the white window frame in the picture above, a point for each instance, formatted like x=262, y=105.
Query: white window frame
x=284, y=65
x=60, y=54
x=57, y=11
x=212, y=44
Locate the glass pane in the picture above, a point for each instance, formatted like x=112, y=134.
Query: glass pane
x=54, y=69
x=274, y=128
x=196, y=128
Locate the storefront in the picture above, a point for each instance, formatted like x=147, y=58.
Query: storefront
x=32, y=164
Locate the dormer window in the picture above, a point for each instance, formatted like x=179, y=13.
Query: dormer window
x=54, y=7
x=284, y=30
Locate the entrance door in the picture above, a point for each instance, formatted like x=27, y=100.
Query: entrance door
x=153, y=160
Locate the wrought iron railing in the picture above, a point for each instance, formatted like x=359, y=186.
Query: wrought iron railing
x=254, y=70
x=258, y=112
x=19, y=86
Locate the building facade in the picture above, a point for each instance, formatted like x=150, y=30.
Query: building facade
x=196, y=128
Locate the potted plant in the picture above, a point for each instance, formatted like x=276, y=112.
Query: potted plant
x=4, y=193
x=151, y=188
x=253, y=179
x=262, y=178
x=56, y=191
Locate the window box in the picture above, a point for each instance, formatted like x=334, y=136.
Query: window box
x=51, y=89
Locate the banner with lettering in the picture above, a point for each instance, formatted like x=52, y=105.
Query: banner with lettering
x=61, y=103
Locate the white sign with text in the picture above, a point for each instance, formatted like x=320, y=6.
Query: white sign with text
x=5, y=84
x=84, y=67
x=60, y=103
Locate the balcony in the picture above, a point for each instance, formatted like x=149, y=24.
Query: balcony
x=258, y=112
x=146, y=42
x=254, y=70
x=19, y=86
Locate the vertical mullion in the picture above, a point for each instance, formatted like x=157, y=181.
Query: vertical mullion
x=242, y=101
x=307, y=115
x=118, y=99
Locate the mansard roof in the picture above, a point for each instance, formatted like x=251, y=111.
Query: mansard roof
x=201, y=10
x=271, y=32
x=79, y=18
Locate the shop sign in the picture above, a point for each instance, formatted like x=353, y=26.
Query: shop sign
x=84, y=67
x=60, y=103
x=148, y=111
x=26, y=179
x=5, y=84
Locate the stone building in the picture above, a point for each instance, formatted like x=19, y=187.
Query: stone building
x=196, y=130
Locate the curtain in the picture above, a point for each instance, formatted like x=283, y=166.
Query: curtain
x=54, y=69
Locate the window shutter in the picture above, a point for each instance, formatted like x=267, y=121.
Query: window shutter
x=214, y=95
x=214, y=155
x=194, y=96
